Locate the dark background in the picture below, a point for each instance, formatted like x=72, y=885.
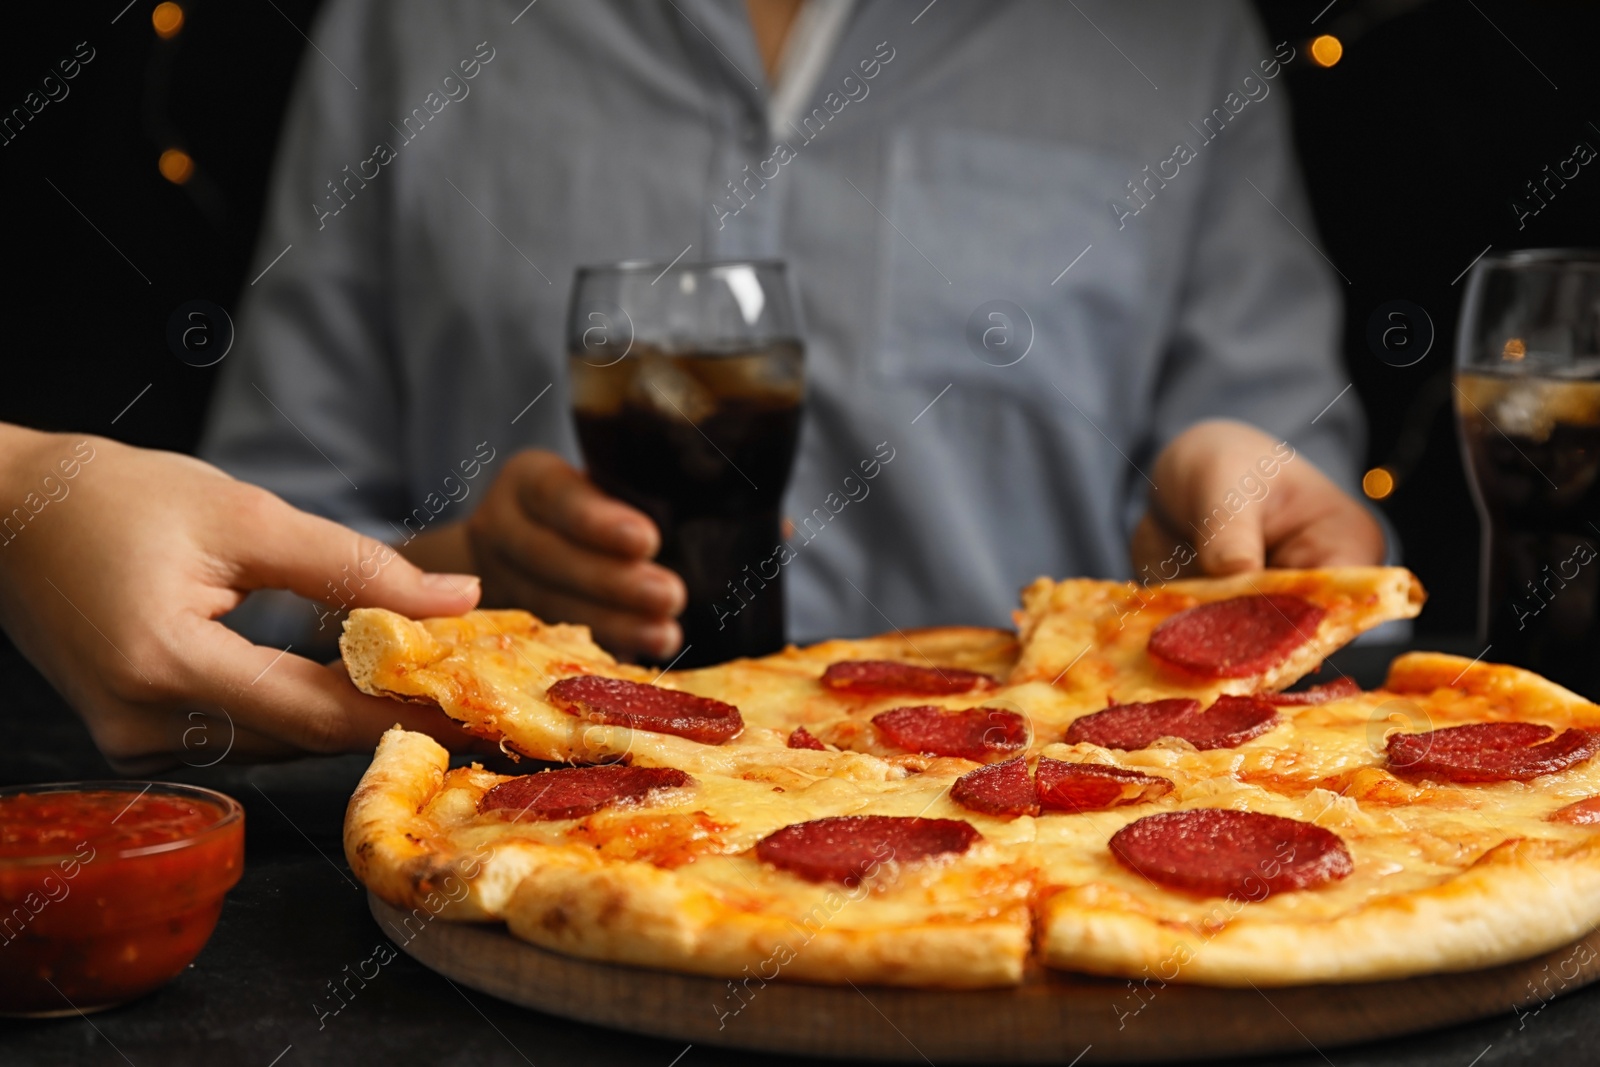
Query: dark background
x=1414, y=145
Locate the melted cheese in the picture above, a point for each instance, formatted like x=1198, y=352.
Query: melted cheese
x=705, y=833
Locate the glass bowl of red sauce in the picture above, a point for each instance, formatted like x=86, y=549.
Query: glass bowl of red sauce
x=108, y=889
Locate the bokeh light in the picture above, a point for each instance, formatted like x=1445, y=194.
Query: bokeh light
x=1326, y=50
x=176, y=166
x=167, y=18
x=1377, y=483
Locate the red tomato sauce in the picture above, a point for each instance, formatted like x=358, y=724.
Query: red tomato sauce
x=47, y=824
x=106, y=894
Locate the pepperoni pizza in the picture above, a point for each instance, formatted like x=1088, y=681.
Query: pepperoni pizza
x=1124, y=788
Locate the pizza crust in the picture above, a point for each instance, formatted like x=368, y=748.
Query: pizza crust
x=401, y=855
x=639, y=914
x=1520, y=694
x=390, y=848
x=1521, y=899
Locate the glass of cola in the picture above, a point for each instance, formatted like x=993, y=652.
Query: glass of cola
x=687, y=381
x=1527, y=392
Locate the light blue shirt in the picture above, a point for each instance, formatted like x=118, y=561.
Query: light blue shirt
x=1118, y=175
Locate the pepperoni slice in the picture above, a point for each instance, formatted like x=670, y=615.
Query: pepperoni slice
x=1338, y=689
x=1218, y=852
x=616, y=702
x=998, y=789
x=801, y=738
x=979, y=734
x=573, y=792
x=1585, y=812
x=1080, y=787
x=878, y=677
x=848, y=848
x=1229, y=723
x=1129, y=726
x=1490, y=751
x=1236, y=638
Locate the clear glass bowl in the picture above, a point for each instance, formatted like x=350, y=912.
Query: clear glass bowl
x=108, y=889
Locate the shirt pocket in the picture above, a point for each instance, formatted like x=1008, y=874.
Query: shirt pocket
x=1006, y=272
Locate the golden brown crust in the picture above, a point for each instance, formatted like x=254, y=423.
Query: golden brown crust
x=638, y=914
x=396, y=844
x=1520, y=693
x=1521, y=899
x=389, y=846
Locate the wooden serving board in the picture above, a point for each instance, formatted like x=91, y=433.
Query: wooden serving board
x=1054, y=1018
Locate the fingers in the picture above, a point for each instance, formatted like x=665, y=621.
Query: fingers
x=218, y=697
x=1318, y=525
x=1202, y=500
x=554, y=544
x=374, y=715
x=624, y=633
x=285, y=548
x=1244, y=500
x=196, y=739
x=1158, y=554
x=292, y=701
x=546, y=558
x=1230, y=543
x=553, y=493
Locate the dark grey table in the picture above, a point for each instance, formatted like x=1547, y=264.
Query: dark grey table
x=298, y=919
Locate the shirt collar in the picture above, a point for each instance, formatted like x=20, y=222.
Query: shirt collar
x=810, y=44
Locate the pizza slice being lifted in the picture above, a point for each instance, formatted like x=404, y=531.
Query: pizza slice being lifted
x=547, y=691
